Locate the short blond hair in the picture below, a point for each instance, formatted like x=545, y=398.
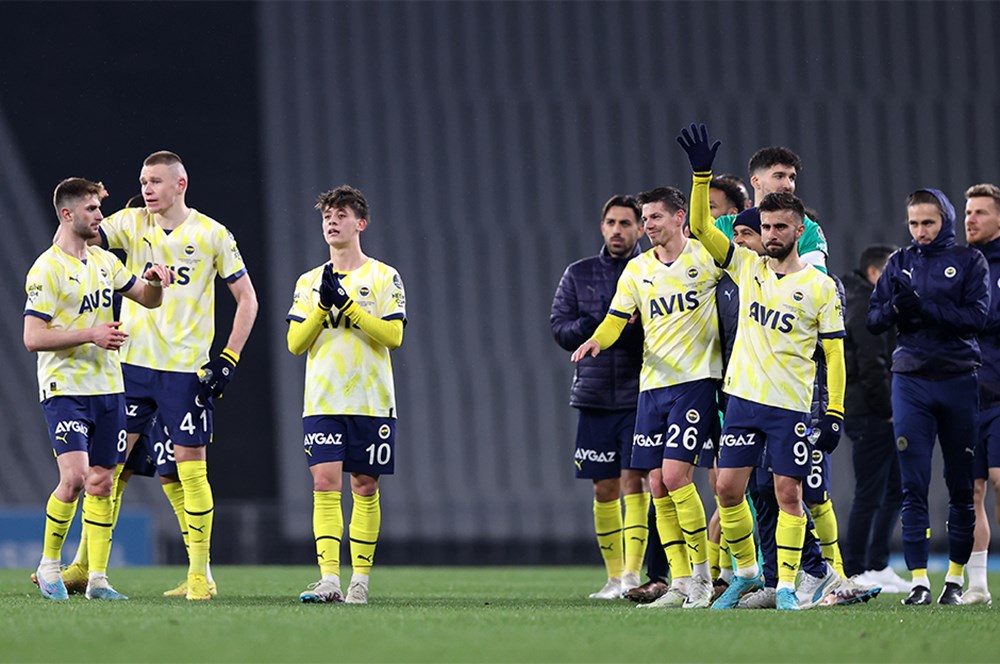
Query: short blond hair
x=985, y=190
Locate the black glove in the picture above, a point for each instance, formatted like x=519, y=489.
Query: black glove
x=829, y=427
x=331, y=291
x=698, y=151
x=216, y=374
x=905, y=300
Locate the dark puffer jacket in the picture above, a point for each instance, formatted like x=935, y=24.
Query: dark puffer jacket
x=953, y=285
x=609, y=381
x=868, y=356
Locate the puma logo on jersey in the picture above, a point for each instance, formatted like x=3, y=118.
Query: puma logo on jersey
x=648, y=281
x=74, y=278
x=728, y=293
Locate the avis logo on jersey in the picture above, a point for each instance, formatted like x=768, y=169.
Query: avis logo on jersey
x=662, y=306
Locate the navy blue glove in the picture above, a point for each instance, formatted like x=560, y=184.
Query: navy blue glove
x=698, y=151
x=829, y=427
x=905, y=300
x=331, y=291
x=216, y=374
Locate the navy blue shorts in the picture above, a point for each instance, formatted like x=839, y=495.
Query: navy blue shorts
x=140, y=461
x=759, y=435
x=91, y=424
x=364, y=444
x=674, y=423
x=988, y=448
x=709, y=451
x=175, y=398
x=603, y=443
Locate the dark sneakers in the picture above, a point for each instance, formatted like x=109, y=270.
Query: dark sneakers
x=951, y=595
x=647, y=592
x=919, y=596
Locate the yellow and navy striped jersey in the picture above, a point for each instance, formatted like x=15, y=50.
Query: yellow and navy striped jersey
x=782, y=318
x=71, y=294
x=178, y=335
x=347, y=372
x=676, y=304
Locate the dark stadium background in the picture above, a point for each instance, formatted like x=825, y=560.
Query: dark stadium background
x=487, y=136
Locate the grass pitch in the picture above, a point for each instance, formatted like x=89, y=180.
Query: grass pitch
x=464, y=615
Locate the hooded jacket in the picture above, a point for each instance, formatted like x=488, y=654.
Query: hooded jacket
x=952, y=284
x=609, y=381
x=989, y=338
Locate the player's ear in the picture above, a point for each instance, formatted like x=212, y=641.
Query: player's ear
x=362, y=224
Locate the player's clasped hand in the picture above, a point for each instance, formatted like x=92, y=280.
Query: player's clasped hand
x=695, y=143
x=109, y=336
x=159, y=275
x=331, y=291
x=829, y=433
x=588, y=348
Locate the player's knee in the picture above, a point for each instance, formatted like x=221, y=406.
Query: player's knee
x=99, y=484
x=364, y=485
x=730, y=493
x=324, y=483
x=72, y=483
x=606, y=490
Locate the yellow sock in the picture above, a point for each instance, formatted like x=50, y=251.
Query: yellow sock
x=175, y=494
x=737, y=528
x=919, y=577
x=199, y=510
x=691, y=517
x=789, y=536
x=366, y=519
x=328, y=529
x=58, y=518
x=672, y=538
x=827, y=533
x=97, y=523
x=82, y=557
x=608, y=526
x=117, y=490
x=636, y=531
x=713, y=559
x=725, y=558
x=955, y=571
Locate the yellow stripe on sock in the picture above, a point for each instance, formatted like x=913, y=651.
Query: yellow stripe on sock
x=636, y=530
x=789, y=536
x=97, y=523
x=672, y=537
x=691, y=517
x=199, y=512
x=328, y=529
x=737, y=528
x=366, y=520
x=58, y=518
